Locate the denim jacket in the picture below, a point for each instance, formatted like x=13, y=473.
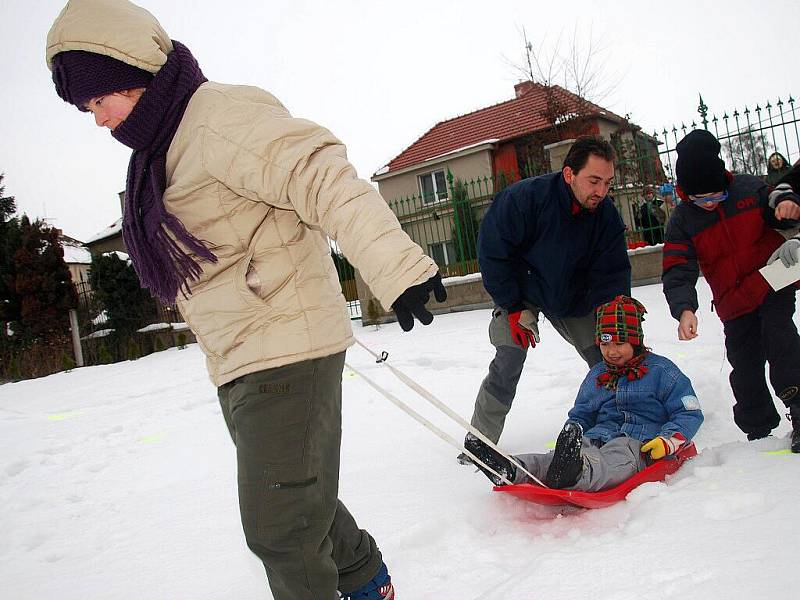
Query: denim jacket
x=662, y=403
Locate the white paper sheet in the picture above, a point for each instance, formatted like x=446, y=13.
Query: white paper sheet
x=779, y=276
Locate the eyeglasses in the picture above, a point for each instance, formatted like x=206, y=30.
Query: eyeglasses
x=711, y=198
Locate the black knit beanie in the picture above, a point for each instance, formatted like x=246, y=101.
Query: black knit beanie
x=699, y=169
x=80, y=76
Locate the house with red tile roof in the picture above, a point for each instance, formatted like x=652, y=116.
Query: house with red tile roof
x=486, y=149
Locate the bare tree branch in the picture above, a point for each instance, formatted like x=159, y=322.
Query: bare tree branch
x=580, y=67
x=542, y=64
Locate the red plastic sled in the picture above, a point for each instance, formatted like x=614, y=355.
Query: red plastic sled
x=655, y=472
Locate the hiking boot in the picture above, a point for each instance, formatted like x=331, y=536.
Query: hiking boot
x=794, y=417
x=567, y=463
x=758, y=434
x=491, y=457
x=378, y=588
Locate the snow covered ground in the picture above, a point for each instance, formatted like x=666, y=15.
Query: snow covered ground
x=118, y=482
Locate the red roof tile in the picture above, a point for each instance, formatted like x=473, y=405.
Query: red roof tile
x=504, y=121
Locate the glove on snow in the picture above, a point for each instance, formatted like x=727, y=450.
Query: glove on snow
x=411, y=303
x=660, y=446
x=788, y=252
x=524, y=329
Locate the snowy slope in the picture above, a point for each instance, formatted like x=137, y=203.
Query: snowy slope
x=119, y=482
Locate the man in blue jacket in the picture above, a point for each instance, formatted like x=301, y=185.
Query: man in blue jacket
x=553, y=245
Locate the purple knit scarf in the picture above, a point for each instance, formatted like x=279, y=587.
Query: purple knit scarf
x=151, y=233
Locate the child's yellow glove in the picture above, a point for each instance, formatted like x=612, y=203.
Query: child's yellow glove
x=660, y=446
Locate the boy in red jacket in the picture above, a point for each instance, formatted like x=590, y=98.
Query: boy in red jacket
x=724, y=227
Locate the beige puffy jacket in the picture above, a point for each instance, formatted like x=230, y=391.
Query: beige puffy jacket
x=262, y=189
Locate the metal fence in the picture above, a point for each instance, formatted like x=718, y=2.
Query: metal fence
x=153, y=327
x=748, y=137
x=445, y=222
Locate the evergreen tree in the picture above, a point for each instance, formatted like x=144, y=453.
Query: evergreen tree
x=9, y=242
x=41, y=283
x=116, y=286
x=465, y=226
x=8, y=205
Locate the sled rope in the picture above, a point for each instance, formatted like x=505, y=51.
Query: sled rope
x=442, y=408
x=422, y=420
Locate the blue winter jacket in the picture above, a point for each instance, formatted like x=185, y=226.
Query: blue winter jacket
x=531, y=248
x=662, y=403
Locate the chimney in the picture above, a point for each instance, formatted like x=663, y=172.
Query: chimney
x=523, y=87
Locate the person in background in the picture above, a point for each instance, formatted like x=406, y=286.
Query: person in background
x=667, y=191
x=632, y=408
x=652, y=218
x=777, y=167
x=725, y=226
x=555, y=245
x=228, y=205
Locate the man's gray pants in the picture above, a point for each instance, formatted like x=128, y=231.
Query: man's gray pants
x=498, y=388
x=287, y=425
x=603, y=467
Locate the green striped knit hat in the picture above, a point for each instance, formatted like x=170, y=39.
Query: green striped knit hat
x=620, y=321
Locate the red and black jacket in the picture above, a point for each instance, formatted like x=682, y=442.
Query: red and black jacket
x=728, y=244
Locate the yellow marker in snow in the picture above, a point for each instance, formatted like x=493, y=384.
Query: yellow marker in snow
x=778, y=452
x=350, y=375
x=63, y=416
x=152, y=439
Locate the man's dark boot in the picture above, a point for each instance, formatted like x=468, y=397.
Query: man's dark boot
x=792, y=401
x=794, y=416
x=491, y=457
x=758, y=434
x=567, y=463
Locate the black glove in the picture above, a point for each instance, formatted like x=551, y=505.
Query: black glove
x=411, y=303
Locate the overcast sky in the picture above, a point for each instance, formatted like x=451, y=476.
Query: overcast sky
x=381, y=73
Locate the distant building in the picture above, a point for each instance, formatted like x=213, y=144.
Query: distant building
x=77, y=257
x=110, y=238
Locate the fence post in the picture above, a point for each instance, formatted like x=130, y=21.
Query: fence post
x=76, y=337
x=703, y=110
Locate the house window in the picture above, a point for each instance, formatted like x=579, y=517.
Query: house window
x=443, y=253
x=433, y=187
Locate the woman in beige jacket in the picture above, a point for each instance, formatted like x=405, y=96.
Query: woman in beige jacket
x=229, y=202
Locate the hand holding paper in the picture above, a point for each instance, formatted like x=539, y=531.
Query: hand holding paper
x=780, y=273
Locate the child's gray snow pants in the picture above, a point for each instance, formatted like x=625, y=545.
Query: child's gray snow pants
x=603, y=467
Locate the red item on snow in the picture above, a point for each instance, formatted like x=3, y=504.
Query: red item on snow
x=549, y=496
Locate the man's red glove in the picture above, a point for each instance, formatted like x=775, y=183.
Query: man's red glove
x=523, y=337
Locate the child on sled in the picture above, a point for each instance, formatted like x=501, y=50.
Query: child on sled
x=632, y=408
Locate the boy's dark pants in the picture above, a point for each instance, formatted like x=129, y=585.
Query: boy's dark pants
x=767, y=334
x=286, y=424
